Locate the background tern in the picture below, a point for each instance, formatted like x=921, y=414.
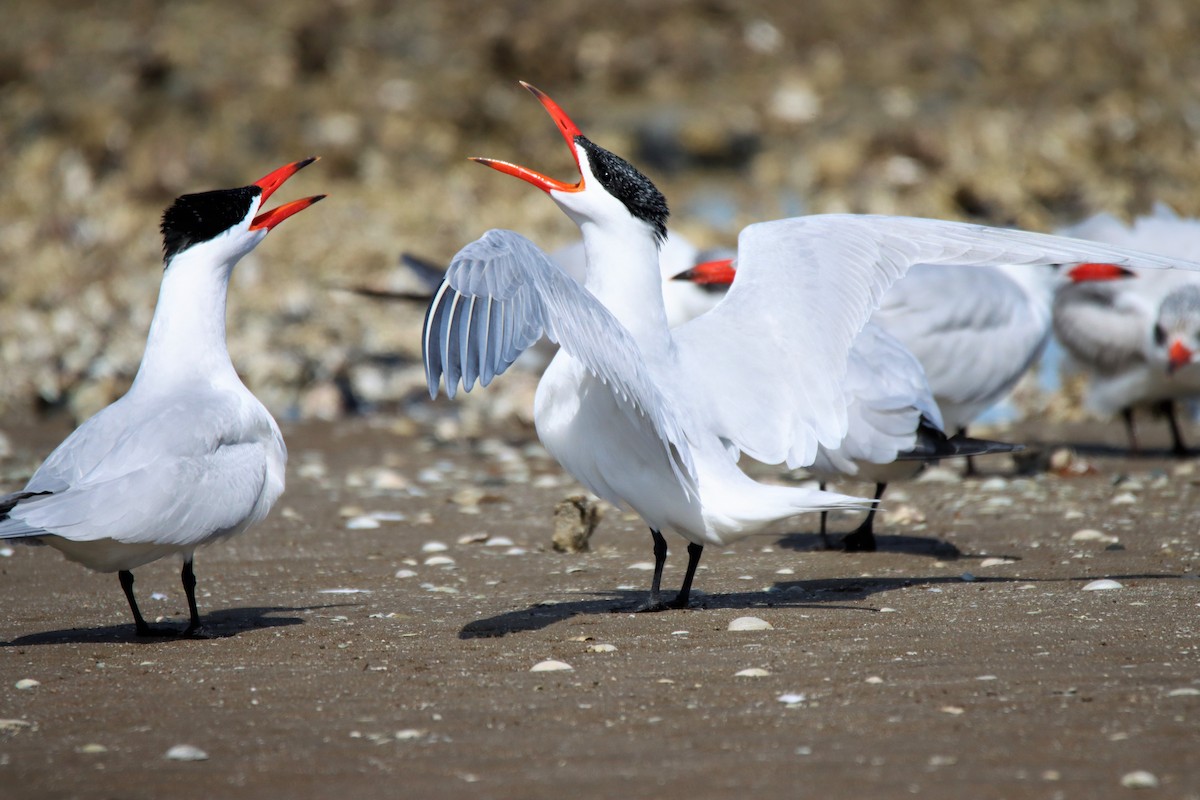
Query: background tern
x=188, y=455
x=657, y=418
x=1137, y=340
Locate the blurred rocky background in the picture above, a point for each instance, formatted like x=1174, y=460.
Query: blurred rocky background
x=1033, y=113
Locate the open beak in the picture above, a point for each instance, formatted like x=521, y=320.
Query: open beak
x=269, y=219
x=1178, y=356
x=569, y=131
x=1086, y=273
x=710, y=273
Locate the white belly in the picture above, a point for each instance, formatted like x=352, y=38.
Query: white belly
x=610, y=447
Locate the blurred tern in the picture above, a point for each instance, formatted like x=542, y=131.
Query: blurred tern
x=1138, y=340
x=894, y=424
x=188, y=456
x=657, y=418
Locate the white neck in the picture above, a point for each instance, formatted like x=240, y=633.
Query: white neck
x=623, y=274
x=187, y=334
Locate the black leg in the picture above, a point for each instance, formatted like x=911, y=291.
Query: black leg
x=126, y=578
x=194, y=630
x=681, y=599
x=862, y=538
x=1127, y=415
x=1178, y=447
x=824, y=517
x=970, y=471
x=655, y=603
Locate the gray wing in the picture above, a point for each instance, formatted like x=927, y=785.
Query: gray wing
x=770, y=360
x=1104, y=325
x=501, y=294
x=177, y=476
x=973, y=330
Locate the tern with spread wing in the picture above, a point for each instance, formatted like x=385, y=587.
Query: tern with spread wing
x=657, y=418
x=188, y=455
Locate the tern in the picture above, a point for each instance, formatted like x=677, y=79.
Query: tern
x=188, y=455
x=1138, y=340
x=895, y=426
x=656, y=418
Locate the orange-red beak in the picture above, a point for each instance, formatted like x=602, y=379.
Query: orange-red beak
x=1084, y=273
x=269, y=219
x=710, y=273
x=569, y=131
x=1179, y=356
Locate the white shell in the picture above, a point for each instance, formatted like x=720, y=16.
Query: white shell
x=750, y=624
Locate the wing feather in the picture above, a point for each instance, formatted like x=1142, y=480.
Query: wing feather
x=534, y=297
x=770, y=360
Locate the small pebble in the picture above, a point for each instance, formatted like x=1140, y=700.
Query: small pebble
x=434, y=547
x=995, y=484
x=408, y=734
x=785, y=571
x=344, y=591
x=939, y=475
x=642, y=565
x=7, y=552
x=1187, y=691
x=750, y=624
x=1124, y=499
x=792, y=698
x=186, y=752
x=405, y=573
x=92, y=749
x=952, y=710
x=1101, y=585
x=601, y=648
x=752, y=672
x=550, y=665
x=995, y=562
x=362, y=523
x=1139, y=779
x=875, y=679
x=1091, y=535
x=473, y=538
x=498, y=541
x=439, y=561
x=27, y=683
x=967, y=577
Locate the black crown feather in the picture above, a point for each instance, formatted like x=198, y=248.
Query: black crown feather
x=196, y=218
x=624, y=182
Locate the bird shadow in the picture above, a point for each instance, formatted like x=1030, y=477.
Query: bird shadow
x=824, y=594
x=886, y=543
x=220, y=624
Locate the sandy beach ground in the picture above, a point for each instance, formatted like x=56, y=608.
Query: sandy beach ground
x=967, y=658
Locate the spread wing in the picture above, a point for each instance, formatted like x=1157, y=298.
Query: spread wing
x=500, y=295
x=770, y=360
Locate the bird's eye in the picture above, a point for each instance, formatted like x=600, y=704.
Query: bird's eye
x=1160, y=335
